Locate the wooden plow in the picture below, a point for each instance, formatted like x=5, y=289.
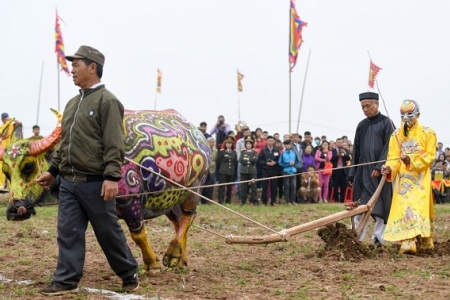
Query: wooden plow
x=285, y=235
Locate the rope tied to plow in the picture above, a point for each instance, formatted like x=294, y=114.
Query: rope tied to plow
x=283, y=234
x=250, y=181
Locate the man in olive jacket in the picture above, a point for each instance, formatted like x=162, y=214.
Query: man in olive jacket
x=89, y=161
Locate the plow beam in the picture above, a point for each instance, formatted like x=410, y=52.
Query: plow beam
x=285, y=235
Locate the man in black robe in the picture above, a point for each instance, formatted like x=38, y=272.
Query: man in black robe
x=371, y=145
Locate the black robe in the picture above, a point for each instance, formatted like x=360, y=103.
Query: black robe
x=371, y=144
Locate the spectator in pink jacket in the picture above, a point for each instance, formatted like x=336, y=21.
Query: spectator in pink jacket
x=323, y=154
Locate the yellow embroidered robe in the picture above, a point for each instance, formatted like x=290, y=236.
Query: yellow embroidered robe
x=412, y=210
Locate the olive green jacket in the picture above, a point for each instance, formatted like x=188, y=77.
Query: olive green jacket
x=91, y=146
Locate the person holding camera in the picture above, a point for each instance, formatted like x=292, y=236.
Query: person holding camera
x=309, y=190
x=340, y=158
x=221, y=129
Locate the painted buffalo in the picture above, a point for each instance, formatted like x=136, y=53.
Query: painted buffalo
x=161, y=141
x=23, y=161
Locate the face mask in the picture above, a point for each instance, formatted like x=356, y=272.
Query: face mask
x=317, y=142
x=409, y=112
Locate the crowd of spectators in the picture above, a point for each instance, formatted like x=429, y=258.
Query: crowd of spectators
x=293, y=165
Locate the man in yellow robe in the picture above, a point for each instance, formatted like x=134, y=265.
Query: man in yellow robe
x=411, y=219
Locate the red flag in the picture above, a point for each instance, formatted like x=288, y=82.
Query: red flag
x=373, y=72
x=59, y=46
x=295, y=35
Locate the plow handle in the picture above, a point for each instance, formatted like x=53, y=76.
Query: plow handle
x=370, y=205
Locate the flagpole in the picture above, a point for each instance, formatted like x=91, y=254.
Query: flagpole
x=57, y=71
x=39, y=95
x=303, y=90
x=370, y=59
x=156, y=98
x=239, y=106
x=290, y=72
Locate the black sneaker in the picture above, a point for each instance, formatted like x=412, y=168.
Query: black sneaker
x=376, y=243
x=54, y=290
x=130, y=284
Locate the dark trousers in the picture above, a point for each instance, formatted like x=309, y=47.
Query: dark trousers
x=273, y=189
x=438, y=196
x=339, y=181
x=245, y=186
x=80, y=203
x=290, y=188
x=259, y=175
x=280, y=183
x=298, y=182
x=225, y=179
x=208, y=192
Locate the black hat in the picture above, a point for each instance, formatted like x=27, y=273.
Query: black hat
x=249, y=140
x=368, y=95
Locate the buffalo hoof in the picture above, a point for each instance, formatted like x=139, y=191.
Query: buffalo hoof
x=154, y=267
x=174, y=256
x=154, y=270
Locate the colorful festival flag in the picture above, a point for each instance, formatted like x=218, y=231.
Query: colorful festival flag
x=158, y=82
x=373, y=72
x=59, y=46
x=239, y=78
x=295, y=35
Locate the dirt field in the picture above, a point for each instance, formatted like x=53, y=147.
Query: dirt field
x=303, y=268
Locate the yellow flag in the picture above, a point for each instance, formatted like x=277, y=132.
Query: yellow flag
x=240, y=76
x=158, y=82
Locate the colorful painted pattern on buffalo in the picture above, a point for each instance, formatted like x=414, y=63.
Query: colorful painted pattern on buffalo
x=166, y=143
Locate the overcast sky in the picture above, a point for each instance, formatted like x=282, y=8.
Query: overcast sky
x=199, y=44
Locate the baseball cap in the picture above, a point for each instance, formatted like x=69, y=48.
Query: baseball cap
x=89, y=53
x=5, y=115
